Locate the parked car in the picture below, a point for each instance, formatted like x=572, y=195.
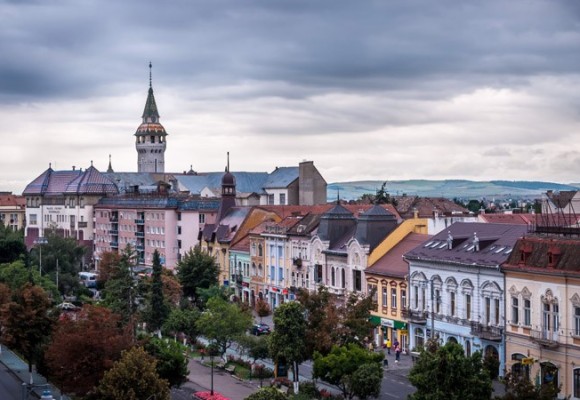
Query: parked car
x=260, y=329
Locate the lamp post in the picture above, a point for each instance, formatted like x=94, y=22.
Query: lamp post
x=40, y=241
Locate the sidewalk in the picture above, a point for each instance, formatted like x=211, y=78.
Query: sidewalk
x=223, y=382
x=20, y=369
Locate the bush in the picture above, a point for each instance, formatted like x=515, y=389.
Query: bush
x=267, y=393
x=309, y=389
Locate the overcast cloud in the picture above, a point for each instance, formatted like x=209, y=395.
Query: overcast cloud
x=380, y=90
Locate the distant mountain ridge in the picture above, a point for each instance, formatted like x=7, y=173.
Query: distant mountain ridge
x=448, y=188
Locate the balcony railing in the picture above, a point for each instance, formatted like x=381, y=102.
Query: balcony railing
x=139, y=221
x=415, y=316
x=113, y=232
x=545, y=338
x=114, y=218
x=493, y=333
x=114, y=245
x=140, y=234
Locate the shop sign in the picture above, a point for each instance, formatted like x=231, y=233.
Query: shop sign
x=387, y=322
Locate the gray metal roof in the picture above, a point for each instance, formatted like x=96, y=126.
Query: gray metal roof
x=247, y=182
x=281, y=177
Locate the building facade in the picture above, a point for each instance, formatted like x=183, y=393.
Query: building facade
x=542, y=279
x=457, y=291
x=12, y=210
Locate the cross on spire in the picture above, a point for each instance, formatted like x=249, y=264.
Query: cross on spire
x=150, y=75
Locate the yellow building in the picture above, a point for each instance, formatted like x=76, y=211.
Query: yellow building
x=12, y=210
x=387, y=276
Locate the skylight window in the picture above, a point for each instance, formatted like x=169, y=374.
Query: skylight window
x=508, y=252
x=502, y=248
x=434, y=245
x=442, y=245
x=428, y=244
x=470, y=247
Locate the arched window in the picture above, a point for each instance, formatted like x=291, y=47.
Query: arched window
x=260, y=250
x=343, y=278
x=332, y=276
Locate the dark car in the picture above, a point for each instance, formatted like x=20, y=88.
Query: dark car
x=260, y=329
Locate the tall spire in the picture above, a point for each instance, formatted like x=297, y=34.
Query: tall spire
x=110, y=169
x=150, y=113
x=228, y=164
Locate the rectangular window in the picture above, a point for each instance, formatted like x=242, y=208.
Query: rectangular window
x=272, y=273
x=280, y=273
x=515, y=310
x=33, y=220
x=415, y=297
x=270, y=199
x=403, y=299
x=496, y=307
x=487, y=310
x=179, y=230
x=467, y=306
x=556, y=316
x=179, y=244
x=577, y=321
x=393, y=297
x=178, y=216
x=202, y=218
x=384, y=297
x=527, y=312
x=452, y=303
x=318, y=275
x=283, y=198
x=577, y=382
x=357, y=280
x=437, y=301
x=423, y=305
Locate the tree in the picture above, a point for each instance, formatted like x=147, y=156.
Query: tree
x=380, y=197
x=109, y=261
x=203, y=294
x=83, y=348
x=171, y=361
x=354, y=320
x=263, y=309
x=445, y=373
x=342, y=368
x=133, y=377
x=119, y=293
x=197, y=269
x=157, y=309
x=267, y=393
x=222, y=323
x=16, y=275
x=518, y=387
x=182, y=321
x=172, y=290
x=26, y=322
x=287, y=341
x=322, y=320
x=11, y=244
x=256, y=347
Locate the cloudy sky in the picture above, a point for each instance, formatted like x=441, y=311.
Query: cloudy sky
x=382, y=90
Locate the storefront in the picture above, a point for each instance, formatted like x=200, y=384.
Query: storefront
x=396, y=331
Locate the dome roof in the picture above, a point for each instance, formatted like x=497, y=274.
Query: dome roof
x=228, y=179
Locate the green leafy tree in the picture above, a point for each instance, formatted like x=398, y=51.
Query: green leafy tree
x=26, y=322
x=518, y=387
x=287, y=341
x=203, y=294
x=157, y=309
x=171, y=360
x=267, y=393
x=11, y=244
x=83, y=348
x=196, y=270
x=120, y=290
x=15, y=275
x=222, y=323
x=133, y=377
x=182, y=321
x=445, y=373
x=340, y=368
x=256, y=348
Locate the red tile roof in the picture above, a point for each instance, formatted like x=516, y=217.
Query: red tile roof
x=546, y=255
x=8, y=199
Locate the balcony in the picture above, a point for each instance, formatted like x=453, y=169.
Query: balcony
x=545, y=338
x=113, y=232
x=140, y=247
x=140, y=221
x=415, y=316
x=140, y=234
x=485, y=332
x=114, y=245
x=113, y=218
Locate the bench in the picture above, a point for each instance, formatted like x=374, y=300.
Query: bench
x=220, y=365
x=231, y=369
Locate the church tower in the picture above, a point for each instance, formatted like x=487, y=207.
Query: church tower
x=150, y=137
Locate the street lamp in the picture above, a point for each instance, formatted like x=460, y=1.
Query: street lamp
x=40, y=241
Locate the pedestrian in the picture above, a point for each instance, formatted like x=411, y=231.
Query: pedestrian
x=397, y=353
x=388, y=346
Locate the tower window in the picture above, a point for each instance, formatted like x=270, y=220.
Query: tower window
x=152, y=139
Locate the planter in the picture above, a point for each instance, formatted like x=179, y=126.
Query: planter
x=208, y=396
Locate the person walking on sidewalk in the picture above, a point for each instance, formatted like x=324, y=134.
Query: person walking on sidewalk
x=388, y=345
x=397, y=353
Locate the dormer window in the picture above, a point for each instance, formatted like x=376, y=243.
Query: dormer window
x=553, y=256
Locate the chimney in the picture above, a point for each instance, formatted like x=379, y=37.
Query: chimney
x=415, y=213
